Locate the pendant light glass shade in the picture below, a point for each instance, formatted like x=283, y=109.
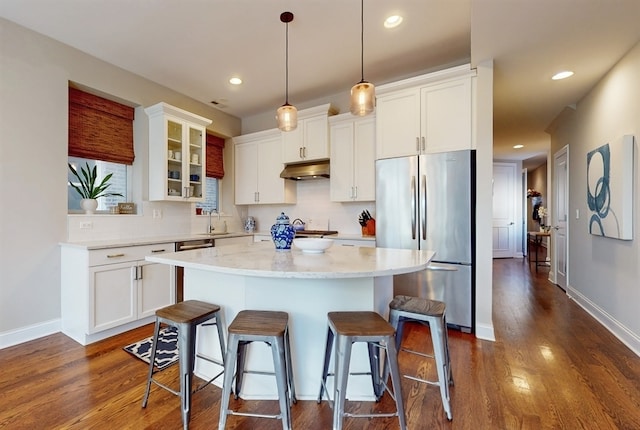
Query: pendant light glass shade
x=363, y=94
x=287, y=115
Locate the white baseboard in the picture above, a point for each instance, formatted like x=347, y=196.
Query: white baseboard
x=626, y=336
x=25, y=334
x=485, y=332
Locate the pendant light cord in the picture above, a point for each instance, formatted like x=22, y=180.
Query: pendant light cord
x=362, y=39
x=286, y=72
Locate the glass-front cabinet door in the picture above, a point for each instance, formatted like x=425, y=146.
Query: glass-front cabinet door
x=174, y=159
x=177, y=155
x=196, y=163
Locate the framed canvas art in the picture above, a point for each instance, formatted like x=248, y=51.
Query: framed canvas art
x=610, y=189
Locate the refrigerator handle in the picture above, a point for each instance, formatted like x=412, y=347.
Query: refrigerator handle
x=424, y=207
x=413, y=207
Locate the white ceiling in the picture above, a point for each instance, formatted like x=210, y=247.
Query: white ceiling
x=195, y=46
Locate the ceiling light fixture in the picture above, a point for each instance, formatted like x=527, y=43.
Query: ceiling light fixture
x=518, y=146
x=562, y=75
x=392, y=21
x=287, y=115
x=235, y=81
x=363, y=93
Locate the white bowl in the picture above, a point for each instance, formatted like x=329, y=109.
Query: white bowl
x=313, y=245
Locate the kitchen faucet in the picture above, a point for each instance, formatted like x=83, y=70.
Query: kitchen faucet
x=210, y=228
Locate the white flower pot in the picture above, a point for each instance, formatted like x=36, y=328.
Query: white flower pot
x=89, y=205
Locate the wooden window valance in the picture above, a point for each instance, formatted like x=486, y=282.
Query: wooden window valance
x=215, y=158
x=100, y=129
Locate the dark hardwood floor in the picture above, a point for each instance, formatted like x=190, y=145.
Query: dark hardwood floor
x=551, y=367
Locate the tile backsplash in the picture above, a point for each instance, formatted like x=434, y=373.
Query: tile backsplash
x=156, y=219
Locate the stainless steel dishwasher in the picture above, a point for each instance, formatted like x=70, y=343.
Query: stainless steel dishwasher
x=186, y=246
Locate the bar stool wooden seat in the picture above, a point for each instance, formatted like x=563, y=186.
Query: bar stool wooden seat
x=185, y=316
x=430, y=313
x=348, y=328
x=270, y=327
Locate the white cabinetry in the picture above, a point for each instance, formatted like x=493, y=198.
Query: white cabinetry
x=310, y=140
x=238, y=240
x=367, y=243
x=353, y=148
x=258, y=163
x=426, y=114
x=177, y=154
x=108, y=291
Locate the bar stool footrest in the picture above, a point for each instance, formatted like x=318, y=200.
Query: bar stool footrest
x=249, y=414
x=380, y=415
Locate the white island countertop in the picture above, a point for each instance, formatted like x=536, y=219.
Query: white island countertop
x=262, y=260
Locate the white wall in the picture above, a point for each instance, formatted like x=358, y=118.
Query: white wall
x=34, y=76
x=604, y=273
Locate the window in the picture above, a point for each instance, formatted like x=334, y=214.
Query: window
x=100, y=134
x=119, y=183
x=210, y=202
x=215, y=171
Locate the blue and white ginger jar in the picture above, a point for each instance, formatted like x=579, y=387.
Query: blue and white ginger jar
x=282, y=233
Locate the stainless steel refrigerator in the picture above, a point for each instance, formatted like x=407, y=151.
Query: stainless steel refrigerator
x=428, y=202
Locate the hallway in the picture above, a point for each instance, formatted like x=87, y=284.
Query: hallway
x=552, y=367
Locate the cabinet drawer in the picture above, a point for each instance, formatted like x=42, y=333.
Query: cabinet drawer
x=99, y=257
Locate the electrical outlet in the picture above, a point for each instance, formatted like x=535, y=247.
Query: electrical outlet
x=86, y=225
x=157, y=214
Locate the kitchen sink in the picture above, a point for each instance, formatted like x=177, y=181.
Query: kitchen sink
x=214, y=233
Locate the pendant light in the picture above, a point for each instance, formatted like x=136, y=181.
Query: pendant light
x=287, y=115
x=363, y=94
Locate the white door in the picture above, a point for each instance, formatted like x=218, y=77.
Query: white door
x=504, y=186
x=559, y=216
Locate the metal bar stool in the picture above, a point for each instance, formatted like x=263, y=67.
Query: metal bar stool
x=270, y=327
x=430, y=313
x=348, y=328
x=185, y=316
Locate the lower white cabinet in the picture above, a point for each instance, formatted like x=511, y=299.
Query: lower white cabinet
x=109, y=291
x=367, y=243
x=238, y=240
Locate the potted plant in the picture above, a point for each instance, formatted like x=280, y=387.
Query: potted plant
x=88, y=189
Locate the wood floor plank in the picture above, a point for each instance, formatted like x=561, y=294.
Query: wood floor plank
x=552, y=367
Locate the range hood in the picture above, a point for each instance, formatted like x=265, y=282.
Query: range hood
x=303, y=171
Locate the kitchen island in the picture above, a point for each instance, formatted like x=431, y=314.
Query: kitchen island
x=307, y=286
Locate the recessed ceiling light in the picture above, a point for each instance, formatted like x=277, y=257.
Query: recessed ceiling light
x=393, y=21
x=518, y=146
x=235, y=81
x=562, y=75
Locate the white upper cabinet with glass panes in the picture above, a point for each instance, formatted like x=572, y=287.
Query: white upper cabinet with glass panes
x=177, y=154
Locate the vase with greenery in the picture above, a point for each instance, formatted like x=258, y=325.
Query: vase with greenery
x=89, y=190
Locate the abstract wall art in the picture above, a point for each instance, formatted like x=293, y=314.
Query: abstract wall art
x=610, y=189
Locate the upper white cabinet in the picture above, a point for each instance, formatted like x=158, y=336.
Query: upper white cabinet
x=352, y=158
x=258, y=163
x=426, y=114
x=310, y=140
x=177, y=154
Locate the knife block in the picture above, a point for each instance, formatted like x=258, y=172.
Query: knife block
x=370, y=228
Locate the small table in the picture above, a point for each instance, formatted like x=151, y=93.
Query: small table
x=536, y=237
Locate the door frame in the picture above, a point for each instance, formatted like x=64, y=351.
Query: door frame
x=515, y=232
x=553, y=273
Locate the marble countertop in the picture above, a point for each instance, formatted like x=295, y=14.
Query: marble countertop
x=117, y=243
x=262, y=260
